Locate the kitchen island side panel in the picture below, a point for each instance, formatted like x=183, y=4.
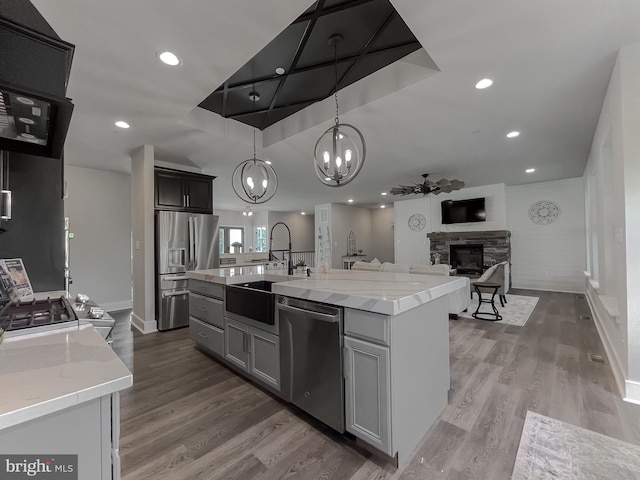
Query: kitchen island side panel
x=420, y=373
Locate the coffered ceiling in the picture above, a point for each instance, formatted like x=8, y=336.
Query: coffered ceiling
x=550, y=62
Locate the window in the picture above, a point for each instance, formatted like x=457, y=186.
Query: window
x=261, y=239
x=231, y=240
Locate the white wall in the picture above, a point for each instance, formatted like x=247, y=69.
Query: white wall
x=301, y=226
x=409, y=246
x=547, y=257
x=414, y=247
x=382, y=231
x=612, y=198
x=99, y=210
x=346, y=218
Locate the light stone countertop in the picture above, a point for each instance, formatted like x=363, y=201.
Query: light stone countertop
x=380, y=292
x=46, y=372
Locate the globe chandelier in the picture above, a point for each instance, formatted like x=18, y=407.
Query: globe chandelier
x=247, y=212
x=340, y=152
x=254, y=180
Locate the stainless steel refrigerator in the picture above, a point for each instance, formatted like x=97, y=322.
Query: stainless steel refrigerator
x=184, y=241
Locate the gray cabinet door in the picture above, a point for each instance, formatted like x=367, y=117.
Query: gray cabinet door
x=264, y=357
x=236, y=343
x=367, y=393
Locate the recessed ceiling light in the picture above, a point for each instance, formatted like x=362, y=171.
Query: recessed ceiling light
x=303, y=213
x=268, y=162
x=28, y=121
x=122, y=124
x=350, y=200
x=513, y=134
x=484, y=83
x=169, y=58
x=383, y=206
x=530, y=170
x=383, y=193
x=279, y=70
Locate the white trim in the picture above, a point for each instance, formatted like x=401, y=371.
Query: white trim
x=117, y=306
x=144, y=326
x=633, y=392
x=528, y=287
x=614, y=360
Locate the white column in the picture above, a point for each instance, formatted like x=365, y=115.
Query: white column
x=142, y=162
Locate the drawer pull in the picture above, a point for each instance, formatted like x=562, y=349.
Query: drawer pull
x=203, y=309
x=202, y=335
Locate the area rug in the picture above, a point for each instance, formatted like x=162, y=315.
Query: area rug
x=516, y=311
x=551, y=449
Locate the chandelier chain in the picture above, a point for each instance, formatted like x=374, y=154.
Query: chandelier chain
x=253, y=110
x=335, y=92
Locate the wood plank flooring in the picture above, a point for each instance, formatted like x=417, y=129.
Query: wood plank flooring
x=189, y=417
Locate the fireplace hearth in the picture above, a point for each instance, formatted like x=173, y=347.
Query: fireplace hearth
x=467, y=259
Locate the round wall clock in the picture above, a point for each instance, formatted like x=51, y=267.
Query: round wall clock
x=544, y=212
x=417, y=222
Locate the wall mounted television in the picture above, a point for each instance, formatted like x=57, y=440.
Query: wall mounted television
x=463, y=211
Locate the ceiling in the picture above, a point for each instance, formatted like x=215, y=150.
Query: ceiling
x=333, y=42
x=550, y=62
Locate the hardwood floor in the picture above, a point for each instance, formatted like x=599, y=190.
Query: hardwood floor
x=188, y=417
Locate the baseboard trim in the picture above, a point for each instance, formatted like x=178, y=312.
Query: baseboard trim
x=144, y=326
x=117, y=306
x=633, y=392
x=532, y=287
x=614, y=361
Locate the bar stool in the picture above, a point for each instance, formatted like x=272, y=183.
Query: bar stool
x=495, y=316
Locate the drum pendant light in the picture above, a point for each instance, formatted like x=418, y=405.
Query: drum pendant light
x=254, y=180
x=340, y=152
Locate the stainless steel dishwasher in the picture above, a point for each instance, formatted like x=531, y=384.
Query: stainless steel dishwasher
x=311, y=358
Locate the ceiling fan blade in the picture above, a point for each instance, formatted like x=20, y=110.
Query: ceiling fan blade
x=443, y=182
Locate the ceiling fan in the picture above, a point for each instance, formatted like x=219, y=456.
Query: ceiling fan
x=427, y=186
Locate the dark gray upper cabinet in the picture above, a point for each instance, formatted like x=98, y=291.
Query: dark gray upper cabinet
x=183, y=191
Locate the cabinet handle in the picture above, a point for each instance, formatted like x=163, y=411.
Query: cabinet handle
x=202, y=335
x=345, y=362
x=188, y=200
x=184, y=200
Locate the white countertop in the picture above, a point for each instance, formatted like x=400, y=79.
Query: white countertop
x=381, y=292
x=231, y=275
x=44, y=373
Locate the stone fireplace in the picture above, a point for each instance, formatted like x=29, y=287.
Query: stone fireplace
x=495, y=244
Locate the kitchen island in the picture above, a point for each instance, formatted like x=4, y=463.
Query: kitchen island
x=395, y=346
x=59, y=396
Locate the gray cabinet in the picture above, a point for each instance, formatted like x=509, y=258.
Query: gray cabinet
x=207, y=309
x=253, y=351
x=367, y=393
x=206, y=316
x=236, y=339
x=264, y=357
x=207, y=336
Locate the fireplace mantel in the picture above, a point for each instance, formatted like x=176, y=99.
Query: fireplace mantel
x=496, y=243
